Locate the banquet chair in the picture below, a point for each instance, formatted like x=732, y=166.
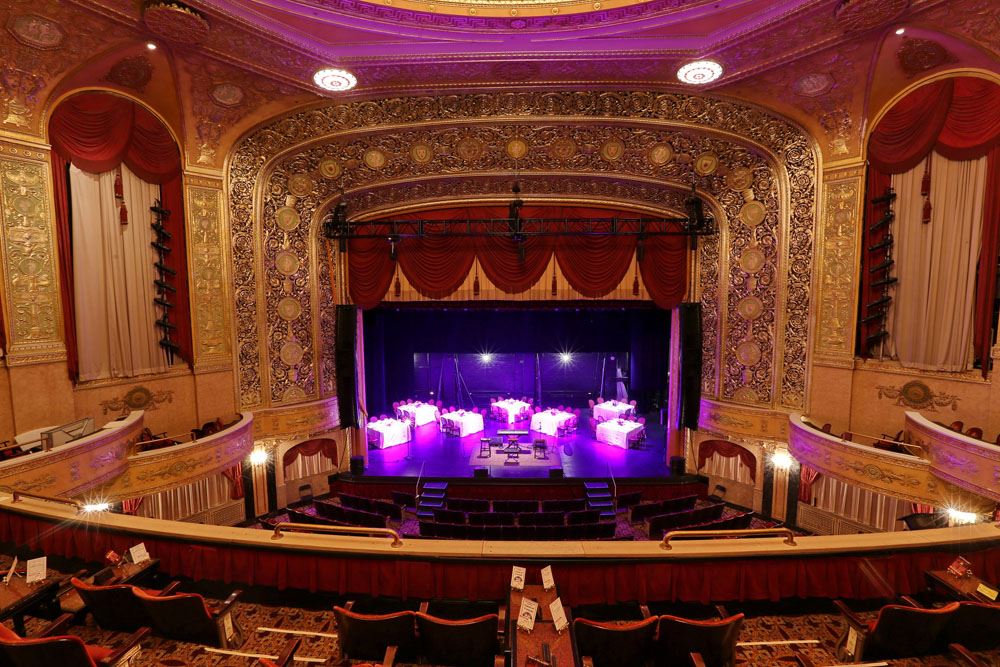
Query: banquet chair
x=898, y=632
x=475, y=409
x=53, y=647
x=395, y=408
x=372, y=419
x=473, y=642
x=600, y=399
x=590, y=403
x=188, y=617
x=633, y=402
x=974, y=432
x=602, y=644
x=538, y=409
x=383, y=416
x=681, y=641
x=957, y=426
x=115, y=607
x=285, y=658
x=376, y=636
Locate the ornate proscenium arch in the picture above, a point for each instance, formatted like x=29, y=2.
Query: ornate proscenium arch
x=638, y=148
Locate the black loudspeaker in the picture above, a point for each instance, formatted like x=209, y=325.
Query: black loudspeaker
x=689, y=316
x=347, y=383
x=357, y=466
x=555, y=473
x=678, y=466
x=481, y=473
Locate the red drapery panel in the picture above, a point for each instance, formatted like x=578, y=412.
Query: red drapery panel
x=131, y=505
x=728, y=450
x=235, y=477
x=96, y=132
x=664, y=269
x=436, y=266
x=807, y=477
x=594, y=265
x=986, y=272
x=325, y=446
x=370, y=270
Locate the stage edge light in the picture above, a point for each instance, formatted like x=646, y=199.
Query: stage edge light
x=485, y=357
x=958, y=517
x=565, y=358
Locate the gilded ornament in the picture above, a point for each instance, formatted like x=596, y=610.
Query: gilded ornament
x=133, y=72
x=470, y=149
x=287, y=218
x=613, y=150
x=301, y=185
x=176, y=22
x=739, y=179
x=291, y=353
x=748, y=353
x=563, y=148
x=861, y=15
x=287, y=263
x=745, y=395
x=289, y=309
x=228, y=95
x=706, y=164
x=750, y=307
x=917, y=395
x=294, y=394
x=660, y=154
x=374, y=159
x=36, y=31
x=517, y=148
x=752, y=259
x=753, y=213
x=330, y=168
x=421, y=152
x=916, y=56
x=814, y=84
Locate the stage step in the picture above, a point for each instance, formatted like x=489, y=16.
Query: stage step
x=435, y=503
x=425, y=514
x=595, y=486
x=598, y=495
x=435, y=486
x=604, y=505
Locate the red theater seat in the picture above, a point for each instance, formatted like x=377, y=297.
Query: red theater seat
x=713, y=642
x=898, y=632
x=376, y=636
x=187, y=617
x=611, y=644
x=471, y=642
x=53, y=649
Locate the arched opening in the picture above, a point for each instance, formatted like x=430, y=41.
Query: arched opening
x=120, y=225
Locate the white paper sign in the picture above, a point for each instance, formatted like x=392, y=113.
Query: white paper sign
x=10, y=572
x=548, y=582
x=227, y=626
x=36, y=570
x=559, y=615
x=852, y=642
x=139, y=553
x=986, y=591
x=526, y=617
x=517, y=578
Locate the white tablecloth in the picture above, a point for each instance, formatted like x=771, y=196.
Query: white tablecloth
x=549, y=421
x=467, y=422
x=511, y=408
x=389, y=433
x=612, y=410
x=616, y=432
x=421, y=413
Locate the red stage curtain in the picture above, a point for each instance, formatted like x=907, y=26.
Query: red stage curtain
x=807, y=477
x=370, y=270
x=728, y=450
x=235, y=477
x=436, y=266
x=325, y=446
x=972, y=127
x=908, y=132
x=986, y=273
x=97, y=132
x=664, y=269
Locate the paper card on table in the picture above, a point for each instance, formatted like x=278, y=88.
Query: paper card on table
x=517, y=578
x=548, y=582
x=37, y=570
x=139, y=553
x=526, y=616
x=986, y=591
x=559, y=615
x=10, y=572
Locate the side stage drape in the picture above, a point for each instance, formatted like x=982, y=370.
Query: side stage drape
x=593, y=265
x=726, y=450
x=97, y=132
x=959, y=118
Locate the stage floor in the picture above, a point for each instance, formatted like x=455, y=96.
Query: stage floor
x=433, y=454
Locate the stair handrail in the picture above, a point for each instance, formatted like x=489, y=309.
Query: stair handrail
x=290, y=527
x=736, y=532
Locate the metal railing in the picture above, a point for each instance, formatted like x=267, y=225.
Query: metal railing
x=742, y=532
x=17, y=495
x=339, y=530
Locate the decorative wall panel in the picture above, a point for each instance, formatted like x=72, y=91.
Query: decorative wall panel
x=298, y=421
x=32, y=312
x=209, y=286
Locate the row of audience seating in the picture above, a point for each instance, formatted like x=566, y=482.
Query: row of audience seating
x=468, y=505
x=586, y=531
x=644, y=511
x=684, y=518
x=386, y=508
x=521, y=518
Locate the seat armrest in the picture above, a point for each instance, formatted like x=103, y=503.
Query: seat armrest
x=907, y=600
x=644, y=610
x=965, y=656
x=349, y=605
x=587, y=661
x=424, y=606
x=697, y=660
x=60, y=626
x=721, y=611
x=390, y=656
x=502, y=620
x=852, y=618
x=126, y=650
x=225, y=606
x=171, y=588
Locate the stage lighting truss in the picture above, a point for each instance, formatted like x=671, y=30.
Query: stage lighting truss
x=337, y=227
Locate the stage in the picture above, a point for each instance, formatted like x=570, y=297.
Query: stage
x=431, y=453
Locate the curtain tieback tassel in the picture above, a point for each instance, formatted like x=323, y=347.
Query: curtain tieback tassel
x=123, y=214
x=397, y=289
x=554, y=285
x=926, y=217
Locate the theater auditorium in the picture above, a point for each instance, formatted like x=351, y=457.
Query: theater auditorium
x=499, y=333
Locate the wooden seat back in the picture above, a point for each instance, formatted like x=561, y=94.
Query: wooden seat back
x=902, y=631
x=612, y=644
x=465, y=643
x=366, y=636
x=715, y=640
x=184, y=617
x=64, y=651
x=975, y=625
x=114, y=607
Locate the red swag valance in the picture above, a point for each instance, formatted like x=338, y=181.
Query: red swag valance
x=325, y=446
x=727, y=450
x=593, y=265
x=97, y=132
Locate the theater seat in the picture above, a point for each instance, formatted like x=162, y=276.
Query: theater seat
x=376, y=636
x=975, y=625
x=470, y=642
x=601, y=644
x=115, y=607
x=898, y=632
x=187, y=617
x=713, y=641
x=54, y=648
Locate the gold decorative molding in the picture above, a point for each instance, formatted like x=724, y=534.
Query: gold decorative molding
x=76, y=467
x=837, y=259
x=968, y=463
x=208, y=284
x=728, y=419
x=297, y=421
x=162, y=469
x=898, y=475
x=32, y=313
x=917, y=395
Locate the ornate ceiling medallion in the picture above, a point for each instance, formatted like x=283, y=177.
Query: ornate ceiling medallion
x=748, y=353
x=287, y=218
x=739, y=179
x=660, y=154
x=517, y=148
x=421, y=152
x=300, y=185
x=921, y=55
x=374, y=159
x=752, y=213
x=133, y=72
x=706, y=163
x=860, y=15
x=330, y=168
x=613, y=150
x=175, y=22
x=335, y=80
x=699, y=72
x=36, y=31
x=563, y=148
x=813, y=84
x=228, y=95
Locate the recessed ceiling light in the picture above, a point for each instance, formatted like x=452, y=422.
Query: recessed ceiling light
x=900, y=31
x=336, y=80
x=700, y=72
x=151, y=46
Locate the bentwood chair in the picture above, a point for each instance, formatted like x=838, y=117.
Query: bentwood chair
x=54, y=647
x=601, y=644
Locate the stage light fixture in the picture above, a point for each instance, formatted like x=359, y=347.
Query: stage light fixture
x=782, y=460
x=89, y=508
x=699, y=72
x=900, y=31
x=335, y=80
x=151, y=46
x=565, y=358
x=486, y=357
x=258, y=457
x=958, y=517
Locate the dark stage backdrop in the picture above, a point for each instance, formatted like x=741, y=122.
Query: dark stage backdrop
x=411, y=352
